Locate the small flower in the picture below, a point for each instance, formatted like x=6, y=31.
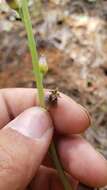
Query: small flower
x=43, y=65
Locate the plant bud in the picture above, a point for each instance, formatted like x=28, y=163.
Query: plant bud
x=43, y=65
x=14, y=4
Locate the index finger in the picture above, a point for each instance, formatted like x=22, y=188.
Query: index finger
x=68, y=116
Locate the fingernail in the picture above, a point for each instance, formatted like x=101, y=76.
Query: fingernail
x=34, y=123
x=87, y=114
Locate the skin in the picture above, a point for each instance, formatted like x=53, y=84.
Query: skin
x=26, y=133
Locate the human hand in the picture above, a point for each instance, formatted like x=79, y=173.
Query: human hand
x=25, y=136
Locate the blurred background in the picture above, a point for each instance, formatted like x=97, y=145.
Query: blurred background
x=72, y=35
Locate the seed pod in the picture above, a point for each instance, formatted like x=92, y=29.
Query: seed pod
x=43, y=65
x=14, y=4
x=52, y=98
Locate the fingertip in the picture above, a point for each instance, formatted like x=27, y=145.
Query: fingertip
x=69, y=117
x=83, y=162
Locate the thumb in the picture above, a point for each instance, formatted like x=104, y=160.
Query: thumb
x=23, y=145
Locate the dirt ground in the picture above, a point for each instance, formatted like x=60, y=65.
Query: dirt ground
x=73, y=37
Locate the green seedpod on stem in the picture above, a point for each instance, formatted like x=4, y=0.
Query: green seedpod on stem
x=14, y=4
x=43, y=65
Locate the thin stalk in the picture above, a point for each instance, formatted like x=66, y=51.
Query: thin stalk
x=58, y=166
x=38, y=79
x=32, y=46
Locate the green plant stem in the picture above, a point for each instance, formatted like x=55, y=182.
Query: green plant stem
x=58, y=166
x=38, y=78
x=32, y=46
